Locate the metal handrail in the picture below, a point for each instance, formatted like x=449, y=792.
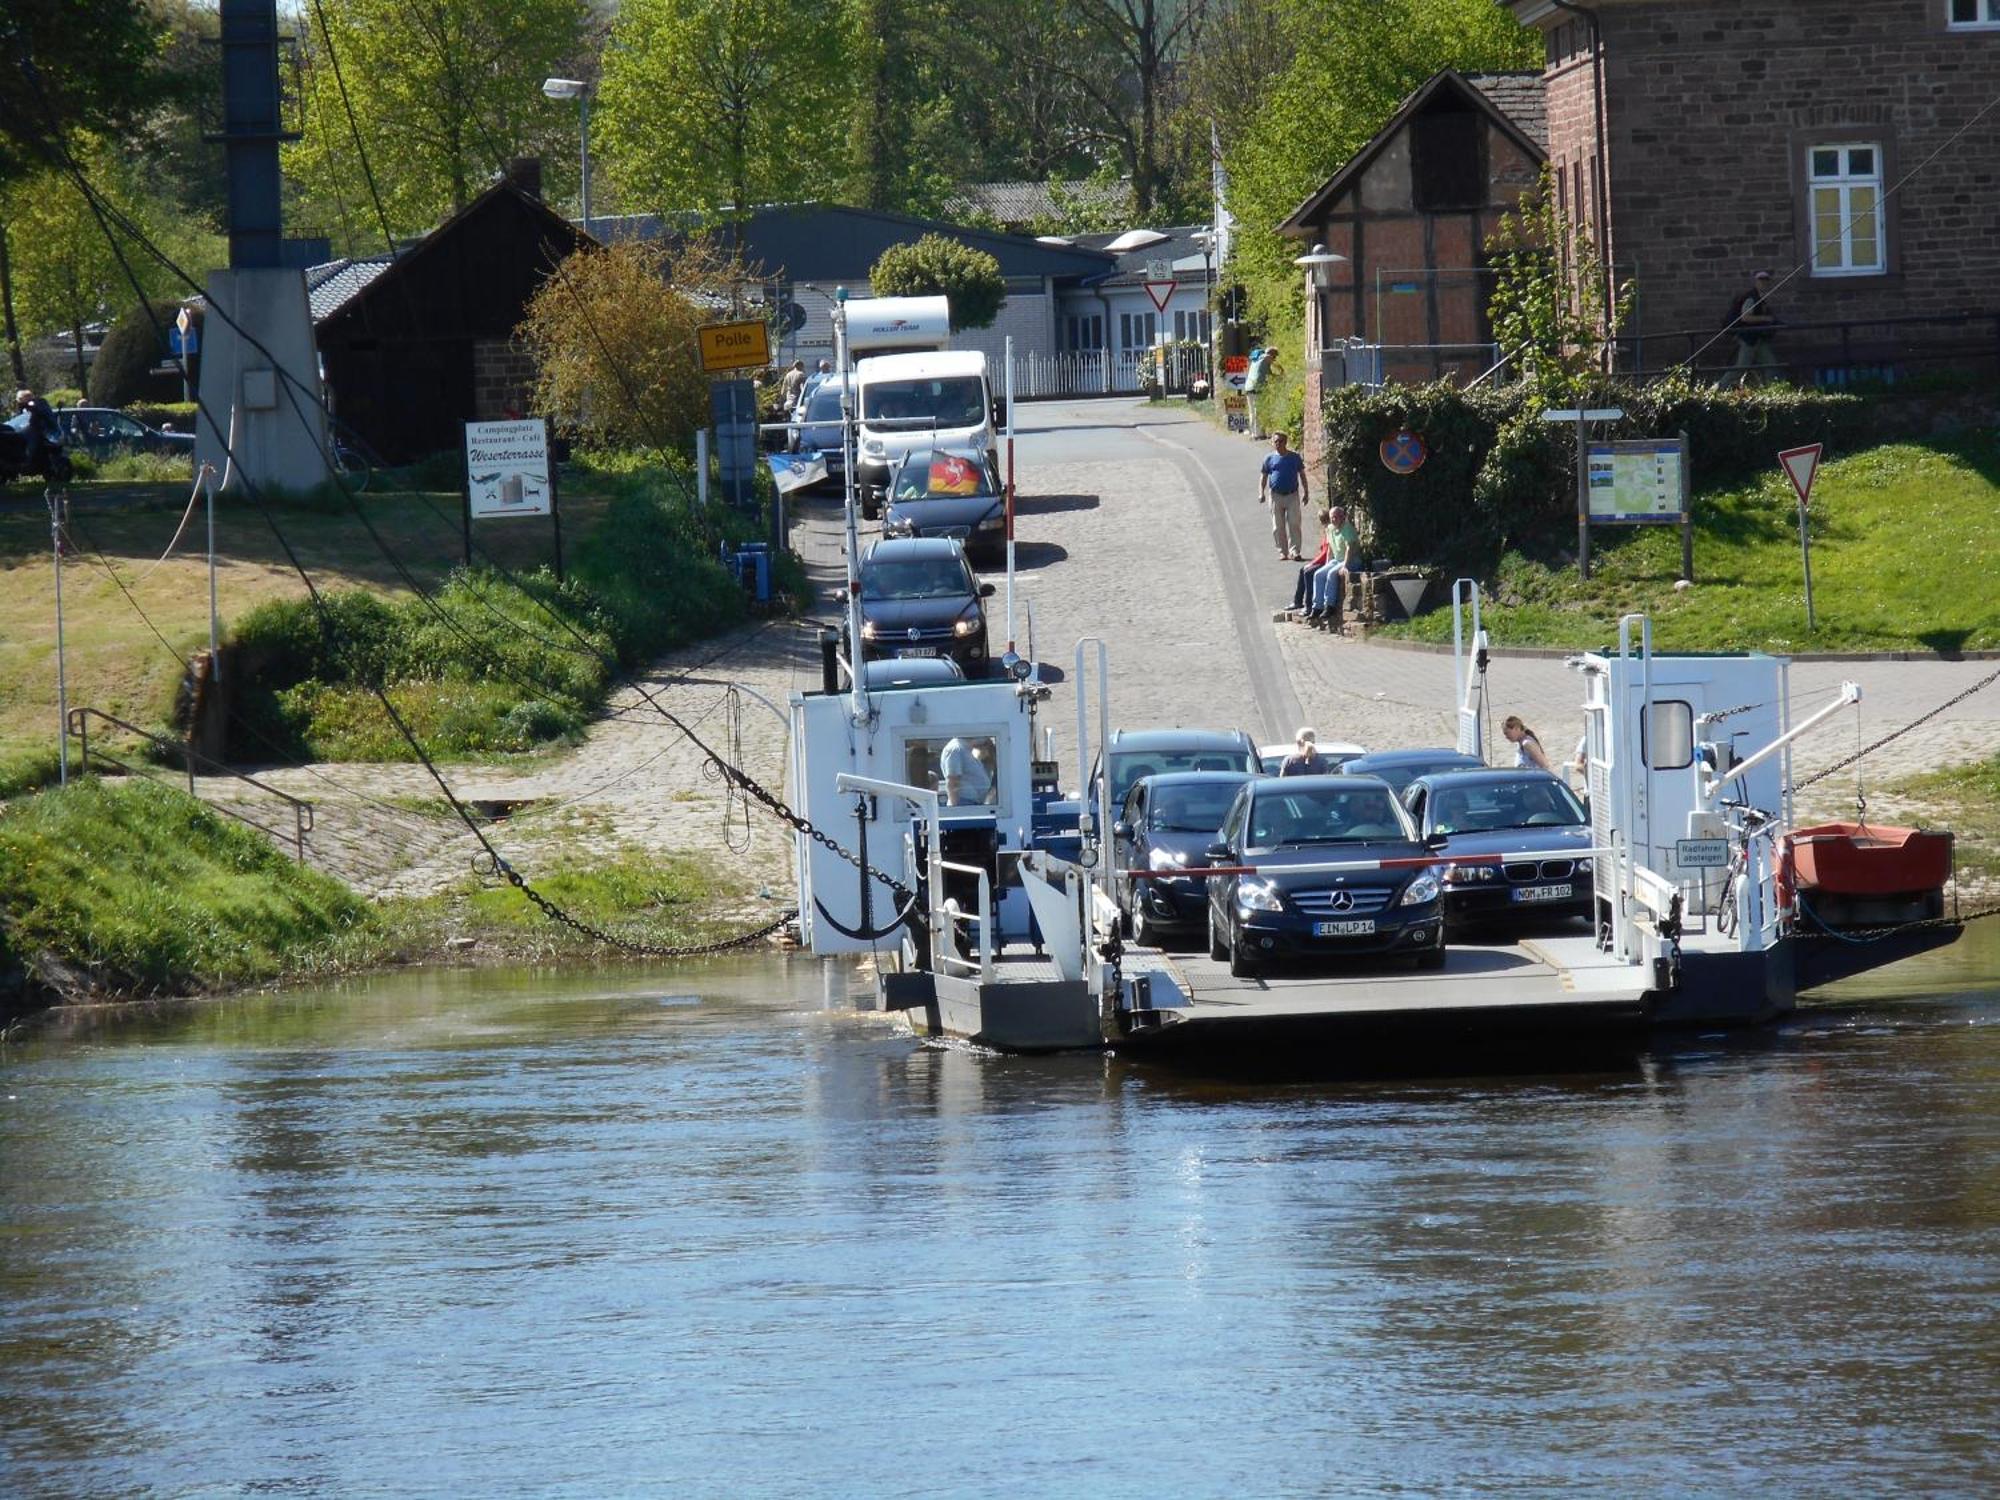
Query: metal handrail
x=78, y=727
x=984, y=917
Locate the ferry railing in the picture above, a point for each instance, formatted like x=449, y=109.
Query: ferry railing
x=78, y=726
x=983, y=919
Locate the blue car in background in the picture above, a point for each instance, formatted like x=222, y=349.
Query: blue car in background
x=1513, y=814
x=1401, y=767
x=818, y=427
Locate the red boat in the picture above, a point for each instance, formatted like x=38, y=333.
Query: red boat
x=1857, y=874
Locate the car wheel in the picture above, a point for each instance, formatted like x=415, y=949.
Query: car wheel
x=1242, y=964
x=1140, y=928
x=1217, y=949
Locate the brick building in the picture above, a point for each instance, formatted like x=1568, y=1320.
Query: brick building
x=1411, y=214
x=1838, y=143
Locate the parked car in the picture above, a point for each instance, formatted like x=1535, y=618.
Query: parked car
x=910, y=671
x=1147, y=752
x=1279, y=913
x=1509, y=813
x=949, y=492
x=1401, y=767
x=919, y=598
x=1167, y=823
x=1336, y=753
x=102, y=431
x=818, y=429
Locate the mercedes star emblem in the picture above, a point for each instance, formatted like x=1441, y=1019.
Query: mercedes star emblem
x=1342, y=901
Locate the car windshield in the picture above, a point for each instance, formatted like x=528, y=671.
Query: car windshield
x=1325, y=815
x=825, y=406
x=940, y=475
x=1194, y=806
x=914, y=578
x=949, y=401
x=1507, y=804
x=1129, y=767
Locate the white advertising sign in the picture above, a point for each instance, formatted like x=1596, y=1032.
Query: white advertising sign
x=507, y=468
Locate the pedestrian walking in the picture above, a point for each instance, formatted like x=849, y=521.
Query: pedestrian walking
x=1755, y=327
x=1283, y=482
x=795, y=377
x=1527, y=745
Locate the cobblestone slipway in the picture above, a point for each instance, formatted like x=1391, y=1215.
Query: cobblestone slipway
x=1136, y=524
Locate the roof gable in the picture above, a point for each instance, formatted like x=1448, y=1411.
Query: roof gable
x=1299, y=223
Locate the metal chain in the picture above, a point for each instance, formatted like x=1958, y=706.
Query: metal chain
x=1920, y=924
x=1896, y=734
x=499, y=866
x=1730, y=713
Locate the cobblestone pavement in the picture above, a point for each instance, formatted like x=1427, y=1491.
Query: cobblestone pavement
x=1137, y=525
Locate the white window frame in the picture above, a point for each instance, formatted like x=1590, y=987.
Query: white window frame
x=1986, y=15
x=1844, y=182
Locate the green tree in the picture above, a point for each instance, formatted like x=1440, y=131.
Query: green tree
x=938, y=265
x=710, y=107
x=69, y=66
x=1553, y=311
x=444, y=94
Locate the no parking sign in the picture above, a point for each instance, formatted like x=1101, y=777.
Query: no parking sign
x=1403, y=452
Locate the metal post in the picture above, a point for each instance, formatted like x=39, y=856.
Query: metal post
x=1805, y=552
x=1582, y=493
x=555, y=516
x=1687, y=510
x=62, y=677
x=584, y=100
x=214, y=654
x=701, y=468
x=1010, y=494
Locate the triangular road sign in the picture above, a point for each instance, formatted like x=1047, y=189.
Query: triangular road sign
x=1161, y=292
x=1800, y=465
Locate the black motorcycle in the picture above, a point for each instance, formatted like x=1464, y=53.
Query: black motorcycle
x=52, y=464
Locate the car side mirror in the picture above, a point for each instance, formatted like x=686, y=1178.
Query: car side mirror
x=986, y=591
x=1436, y=840
x=1219, y=853
x=1122, y=829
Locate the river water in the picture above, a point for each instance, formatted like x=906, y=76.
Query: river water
x=718, y=1232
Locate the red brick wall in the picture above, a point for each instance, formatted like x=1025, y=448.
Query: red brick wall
x=1713, y=105
x=503, y=378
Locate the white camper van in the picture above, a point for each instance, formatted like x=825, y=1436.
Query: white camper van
x=913, y=389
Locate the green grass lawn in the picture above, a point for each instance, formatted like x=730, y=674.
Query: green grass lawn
x=1905, y=551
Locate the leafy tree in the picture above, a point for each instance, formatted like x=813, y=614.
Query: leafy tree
x=938, y=265
x=128, y=354
x=443, y=92
x=1553, y=310
x=711, y=107
x=67, y=66
x=613, y=336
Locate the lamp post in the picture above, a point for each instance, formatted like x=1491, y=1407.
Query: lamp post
x=1206, y=239
x=1318, y=264
x=577, y=89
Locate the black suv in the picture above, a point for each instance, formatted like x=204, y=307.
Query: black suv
x=919, y=598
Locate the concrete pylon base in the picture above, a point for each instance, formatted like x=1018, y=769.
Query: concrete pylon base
x=271, y=385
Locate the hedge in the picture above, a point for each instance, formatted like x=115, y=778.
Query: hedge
x=1498, y=478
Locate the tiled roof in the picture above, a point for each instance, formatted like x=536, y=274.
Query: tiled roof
x=329, y=287
x=1521, y=97
x=1027, y=202
x=1180, y=250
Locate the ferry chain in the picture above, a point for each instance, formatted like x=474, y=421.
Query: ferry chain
x=776, y=804
x=554, y=913
x=1896, y=734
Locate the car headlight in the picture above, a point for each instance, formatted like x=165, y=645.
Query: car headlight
x=992, y=523
x=870, y=631
x=1469, y=874
x=969, y=625
x=1423, y=890
x=1167, y=859
x=1585, y=865
x=874, y=448
x=1258, y=895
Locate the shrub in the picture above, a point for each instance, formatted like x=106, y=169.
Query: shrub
x=135, y=344
x=938, y=265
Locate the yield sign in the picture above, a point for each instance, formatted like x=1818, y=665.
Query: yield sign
x=1800, y=465
x=1161, y=292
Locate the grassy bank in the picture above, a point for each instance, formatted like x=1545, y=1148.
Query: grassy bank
x=1965, y=799
x=1905, y=546
x=128, y=890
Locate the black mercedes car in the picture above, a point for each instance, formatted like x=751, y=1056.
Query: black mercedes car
x=1166, y=825
x=919, y=598
x=1511, y=814
x=1385, y=901
x=947, y=492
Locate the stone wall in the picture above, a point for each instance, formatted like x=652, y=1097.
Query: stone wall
x=503, y=380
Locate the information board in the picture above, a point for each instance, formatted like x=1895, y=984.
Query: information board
x=1638, y=482
x=734, y=346
x=507, y=469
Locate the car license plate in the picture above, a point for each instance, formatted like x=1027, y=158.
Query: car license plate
x=916, y=651
x=1544, y=893
x=1358, y=927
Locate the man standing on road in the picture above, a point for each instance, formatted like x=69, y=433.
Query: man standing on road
x=1284, y=484
x=795, y=377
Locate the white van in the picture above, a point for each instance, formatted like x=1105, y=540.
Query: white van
x=909, y=401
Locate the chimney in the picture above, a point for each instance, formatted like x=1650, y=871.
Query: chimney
x=524, y=174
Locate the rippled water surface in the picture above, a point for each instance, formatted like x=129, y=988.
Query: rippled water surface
x=715, y=1232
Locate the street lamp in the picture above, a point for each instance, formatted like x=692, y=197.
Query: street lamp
x=1318, y=264
x=577, y=89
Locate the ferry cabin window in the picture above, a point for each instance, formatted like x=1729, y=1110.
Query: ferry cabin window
x=962, y=769
x=1668, y=735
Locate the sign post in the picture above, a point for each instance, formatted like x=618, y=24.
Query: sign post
x=507, y=473
x=1801, y=466
x=1161, y=293
x=184, y=341
x=1583, y=417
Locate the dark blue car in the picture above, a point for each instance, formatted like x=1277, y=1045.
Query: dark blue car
x=1166, y=825
x=1401, y=767
x=1528, y=818
x=1388, y=904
